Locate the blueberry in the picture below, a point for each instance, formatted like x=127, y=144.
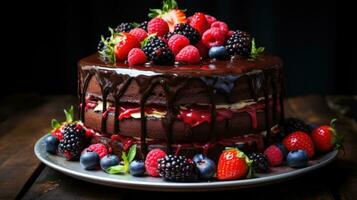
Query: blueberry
x=137, y=168
x=51, y=144
x=89, y=160
x=297, y=159
x=206, y=167
x=218, y=52
x=108, y=161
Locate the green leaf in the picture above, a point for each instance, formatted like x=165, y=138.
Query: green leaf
x=146, y=40
x=55, y=124
x=167, y=5
x=135, y=24
x=69, y=114
x=255, y=52
x=132, y=153
x=116, y=169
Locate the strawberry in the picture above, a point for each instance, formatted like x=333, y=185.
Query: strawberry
x=136, y=56
x=210, y=19
x=158, y=26
x=233, y=164
x=213, y=37
x=199, y=22
x=221, y=26
x=177, y=42
x=139, y=33
x=124, y=42
x=169, y=13
x=151, y=163
x=299, y=140
x=189, y=55
x=325, y=137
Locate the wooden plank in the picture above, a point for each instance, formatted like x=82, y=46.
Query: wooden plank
x=18, y=135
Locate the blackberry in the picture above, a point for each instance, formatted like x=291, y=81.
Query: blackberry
x=124, y=27
x=168, y=35
x=143, y=25
x=158, y=51
x=240, y=43
x=292, y=124
x=73, y=142
x=177, y=168
x=187, y=31
x=260, y=162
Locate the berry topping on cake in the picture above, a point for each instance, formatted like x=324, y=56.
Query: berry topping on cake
x=143, y=25
x=124, y=42
x=233, y=164
x=274, y=155
x=99, y=148
x=189, y=54
x=326, y=138
x=188, y=31
x=177, y=168
x=139, y=33
x=221, y=26
x=157, y=51
x=136, y=56
x=124, y=27
x=151, y=162
x=210, y=19
x=177, y=42
x=218, y=52
x=299, y=140
x=260, y=162
x=239, y=43
x=199, y=22
x=202, y=49
x=158, y=26
x=213, y=37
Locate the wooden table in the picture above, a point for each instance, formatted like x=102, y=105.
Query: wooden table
x=25, y=118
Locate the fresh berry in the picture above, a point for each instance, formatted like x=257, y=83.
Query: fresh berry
x=99, y=148
x=73, y=142
x=124, y=27
x=177, y=42
x=143, y=25
x=158, y=51
x=325, y=137
x=137, y=168
x=58, y=133
x=189, y=55
x=136, y=56
x=213, y=37
x=205, y=166
x=260, y=162
x=221, y=26
x=240, y=43
x=275, y=155
x=125, y=43
x=89, y=160
x=233, y=164
x=177, y=168
x=210, y=19
x=167, y=36
x=218, y=52
x=299, y=140
x=109, y=161
x=158, y=26
x=199, y=22
x=297, y=159
x=139, y=33
x=188, y=31
x=292, y=125
x=202, y=49
x=229, y=34
x=51, y=143
x=151, y=162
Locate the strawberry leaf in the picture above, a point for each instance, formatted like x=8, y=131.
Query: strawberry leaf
x=167, y=5
x=116, y=169
x=132, y=153
x=69, y=114
x=55, y=124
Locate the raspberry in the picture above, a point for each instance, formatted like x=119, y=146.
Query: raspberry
x=177, y=42
x=189, y=55
x=275, y=155
x=199, y=22
x=136, y=56
x=210, y=19
x=158, y=26
x=221, y=26
x=151, y=163
x=229, y=34
x=139, y=33
x=202, y=49
x=213, y=37
x=99, y=148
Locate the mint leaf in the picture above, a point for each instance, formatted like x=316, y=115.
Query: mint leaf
x=132, y=153
x=255, y=52
x=55, y=124
x=69, y=114
x=116, y=169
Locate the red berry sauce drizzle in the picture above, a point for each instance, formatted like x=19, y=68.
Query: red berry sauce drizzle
x=220, y=77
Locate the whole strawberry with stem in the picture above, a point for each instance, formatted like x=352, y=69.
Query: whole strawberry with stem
x=326, y=138
x=299, y=140
x=233, y=164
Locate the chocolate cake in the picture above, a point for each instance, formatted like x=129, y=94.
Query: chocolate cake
x=186, y=107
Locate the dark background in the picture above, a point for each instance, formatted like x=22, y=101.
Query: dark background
x=44, y=40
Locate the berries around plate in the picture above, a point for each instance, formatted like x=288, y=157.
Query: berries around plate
x=136, y=56
x=109, y=161
x=275, y=155
x=297, y=159
x=293, y=124
x=325, y=137
x=189, y=54
x=260, y=162
x=218, y=52
x=177, y=168
x=89, y=160
x=99, y=148
x=233, y=164
x=299, y=140
x=51, y=143
x=137, y=168
x=206, y=167
x=151, y=164
x=73, y=142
